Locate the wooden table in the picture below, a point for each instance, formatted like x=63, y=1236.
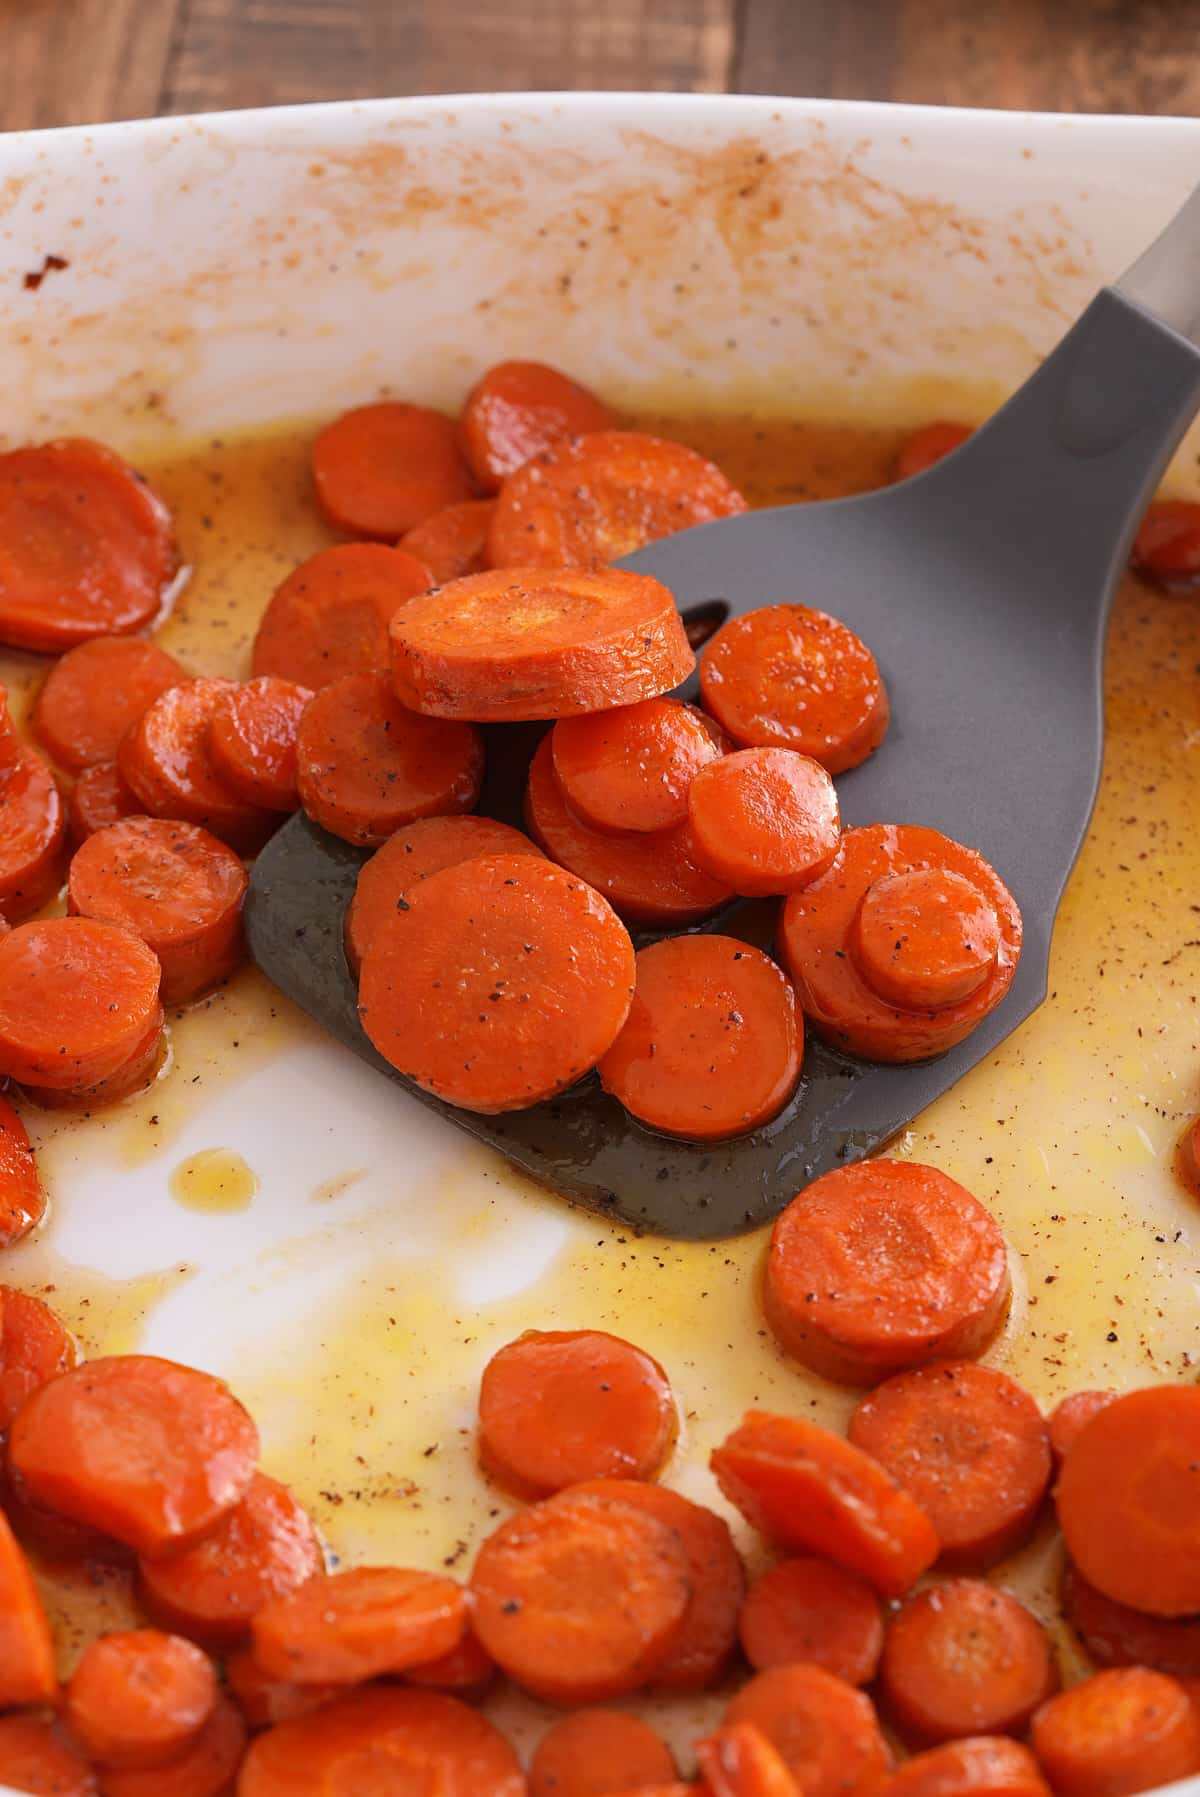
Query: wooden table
x=76, y=61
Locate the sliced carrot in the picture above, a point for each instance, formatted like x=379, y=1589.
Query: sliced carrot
x=22, y=1200
x=594, y=1752
x=678, y=1787
x=1188, y=1157
x=421, y=1740
x=101, y=796
x=739, y=1761
x=964, y=1659
x=631, y=768
x=136, y=1072
x=560, y=1406
x=984, y=1766
x=1071, y=1415
x=764, y=821
x=32, y=824
x=789, y=677
x=50, y=1536
x=970, y=1446
x=581, y=1598
x=466, y=1671
x=1117, y=1733
x=345, y=1627
x=205, y=1769
x=807, y=1490
x=521, y=642
x=929, y=445
x=925, y=939
x=263, y=1700
x=648, y=879
x=1114, y=1634
x=379, y=470
x=1166, y=549
x=810, y=1609
x=77, y=999
x=1128, y=1499
x=145, y=1450
x=823, y=950
x=713, y=1043
x=34, y=1347
x=138, y=1697
x=330, y=616
x=27, y=1673
x=95, y=693
x=521, y=409
x=86, y=549
x=366, y=765
x=452, y=542
x=602, y=496
x=881, y=1266
x=501, y=982
x=36, y=1756
x=825, y=1731
x=252, y=740
x=175, y=886
x=165, y=759
x=263, y=1548
x=413, y=853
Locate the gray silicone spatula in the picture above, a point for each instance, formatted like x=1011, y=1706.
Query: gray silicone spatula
x=983, y=587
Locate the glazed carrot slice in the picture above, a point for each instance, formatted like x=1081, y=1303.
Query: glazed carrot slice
x=410, y=855
x=594, y=1752
x=823, y=950
x=648, y=879
x=1069, y=1417
x=502, y=982
x=22, y=1201
x=205, y=1769
x=139, y=1697
x=789, y=677
x=925, y=939
x=764, y=820
x=77, y=998
x=95, y=693
x=970, y=1446
x=36, y=1756
x=453, y=542
x=964, y=1659
x=631, y=768
x=330, y=616
x=825, y=1731
x=365, y=765
x=86, y=549
x=716, y=1577
x=466, y=1671
x=602, y=496
x=983, y=1766
x=379, y=470
x=806, y=1489
x=1188, y=1157
x=810, y=1609
x=560, y=1406
x=342, y=1628
x=34, y=1347
x=431, y=1742
x=1117, y=1733
x=135, y=1073
x=27, y=1673
x=32, y=824
x=521, y=642
x=1114, y=1634
x=252, y=740
x=581, y=1598
x=263, y=1548
x=1166, y=549
x=150, y=1452
x=51, y=1536
x=929, y=445
x=713, y=1043
x=882, y=1266
x=263, y=1700
x=678, y=1787
x=521, y=409
x=1142, y=1553
x=166, y=761
x=176, y=887
x=739, y=1761
x=100, y=797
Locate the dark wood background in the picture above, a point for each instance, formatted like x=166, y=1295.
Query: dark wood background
x=77, y=61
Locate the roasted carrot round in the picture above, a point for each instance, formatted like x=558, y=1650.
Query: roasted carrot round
x=678, y=1787
x=789, y=677
x=346, y=1627
x=501, y=982
x=764, y=821
x=252, y=740
x=86, y=549
x=139, y=1697
x=135, y=1073
x=984, y=1766
x=26, y=1645
x=77, y=999
x=92, y=696
x=925, y=939
x=593, y=1752
x=165, y=759
x=648, y=879
x=34, y=1347
x=882, y=1266
x=379, y=470
x=521, y=409
x=1187, y=1157
x=739, y=1761
x=1166, y=549
x=929, y=445
x=1117, y=1733
x=330, y=616
x=1071, y=1415
x=602, y=496
x=466, y=1671
x=820, y=945
x=810, y=1609
x=964, y=1659
x=970, y=1446
x=37, y=1756
x=175, y=886
x=430, y=1742
x=263, y=1700
x=1128, y=1499
x=22, y=1201
x=807, y=1490
x=453, y=542
x=557, y=1407
x=713, y=1043
x=520, y=643
x=581, y=1598
x=1113, y=1634
x=206, y=1768
x=263, y=1548
x=631, y=768
x=32, y=824
x=413, y=853
x=145, y=1450
x=101, y=796
x=825, y=1731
